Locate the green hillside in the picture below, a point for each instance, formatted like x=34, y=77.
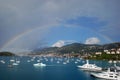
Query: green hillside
x=78, y=48
x=6, y=54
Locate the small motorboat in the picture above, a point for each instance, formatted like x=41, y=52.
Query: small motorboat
x=15, y=64
x=39, y=65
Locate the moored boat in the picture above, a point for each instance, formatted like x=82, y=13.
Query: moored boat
x=90, y=67
x=39, y=65
x=110, y=75
x=117, y=67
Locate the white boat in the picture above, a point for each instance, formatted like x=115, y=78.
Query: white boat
x=15, y=64
x=28, y=60
x=76, y=62
x=110, y=75
x=18, y=61
x=39, y=65
x=58, y=61
x=110, y=61
x=12, y=60
x=38, y=60
x=117, y=67
x=2, y=61
x=90, y=67
x=64, y=63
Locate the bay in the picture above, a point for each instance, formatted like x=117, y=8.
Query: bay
x=56, y=69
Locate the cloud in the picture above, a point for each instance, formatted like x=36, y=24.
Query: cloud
x=61, y=43
x=18, y=16
x=92, y=40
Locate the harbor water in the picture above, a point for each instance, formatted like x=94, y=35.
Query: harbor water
x=55, y=69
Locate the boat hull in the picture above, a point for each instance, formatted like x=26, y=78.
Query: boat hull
x=39, y=65
x=101, y=76
x=90, y=69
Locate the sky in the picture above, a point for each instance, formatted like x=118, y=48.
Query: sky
x=29, y=24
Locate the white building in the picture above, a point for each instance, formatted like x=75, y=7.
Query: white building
x=98, y=53
x=108, y=52
x=113, y=52
x=105, y=50
x=117, y=52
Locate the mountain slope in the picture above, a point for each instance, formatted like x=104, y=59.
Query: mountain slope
x=6, y=54
x=79, y=48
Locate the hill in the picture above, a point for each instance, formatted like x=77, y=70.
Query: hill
x=78, y=48
x=6, y=54
x=112, y=45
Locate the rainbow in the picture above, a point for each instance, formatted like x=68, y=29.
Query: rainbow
x=16, y=38
x=11, y=41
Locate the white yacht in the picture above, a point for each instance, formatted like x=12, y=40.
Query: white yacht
x=39, y=65
x=110, y=75
x=117, y=67
x=90, y=67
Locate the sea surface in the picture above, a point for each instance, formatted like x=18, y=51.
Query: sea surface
x=56, y=69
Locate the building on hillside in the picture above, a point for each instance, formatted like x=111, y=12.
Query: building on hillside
x=98, y=53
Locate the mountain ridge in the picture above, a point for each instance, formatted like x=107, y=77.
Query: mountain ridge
x=78, y=48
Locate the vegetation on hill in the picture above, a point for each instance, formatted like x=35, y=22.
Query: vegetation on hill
x=78, y=48
x=86, y=50
x=104, y=56
x=6, y=54
x=111, y=45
